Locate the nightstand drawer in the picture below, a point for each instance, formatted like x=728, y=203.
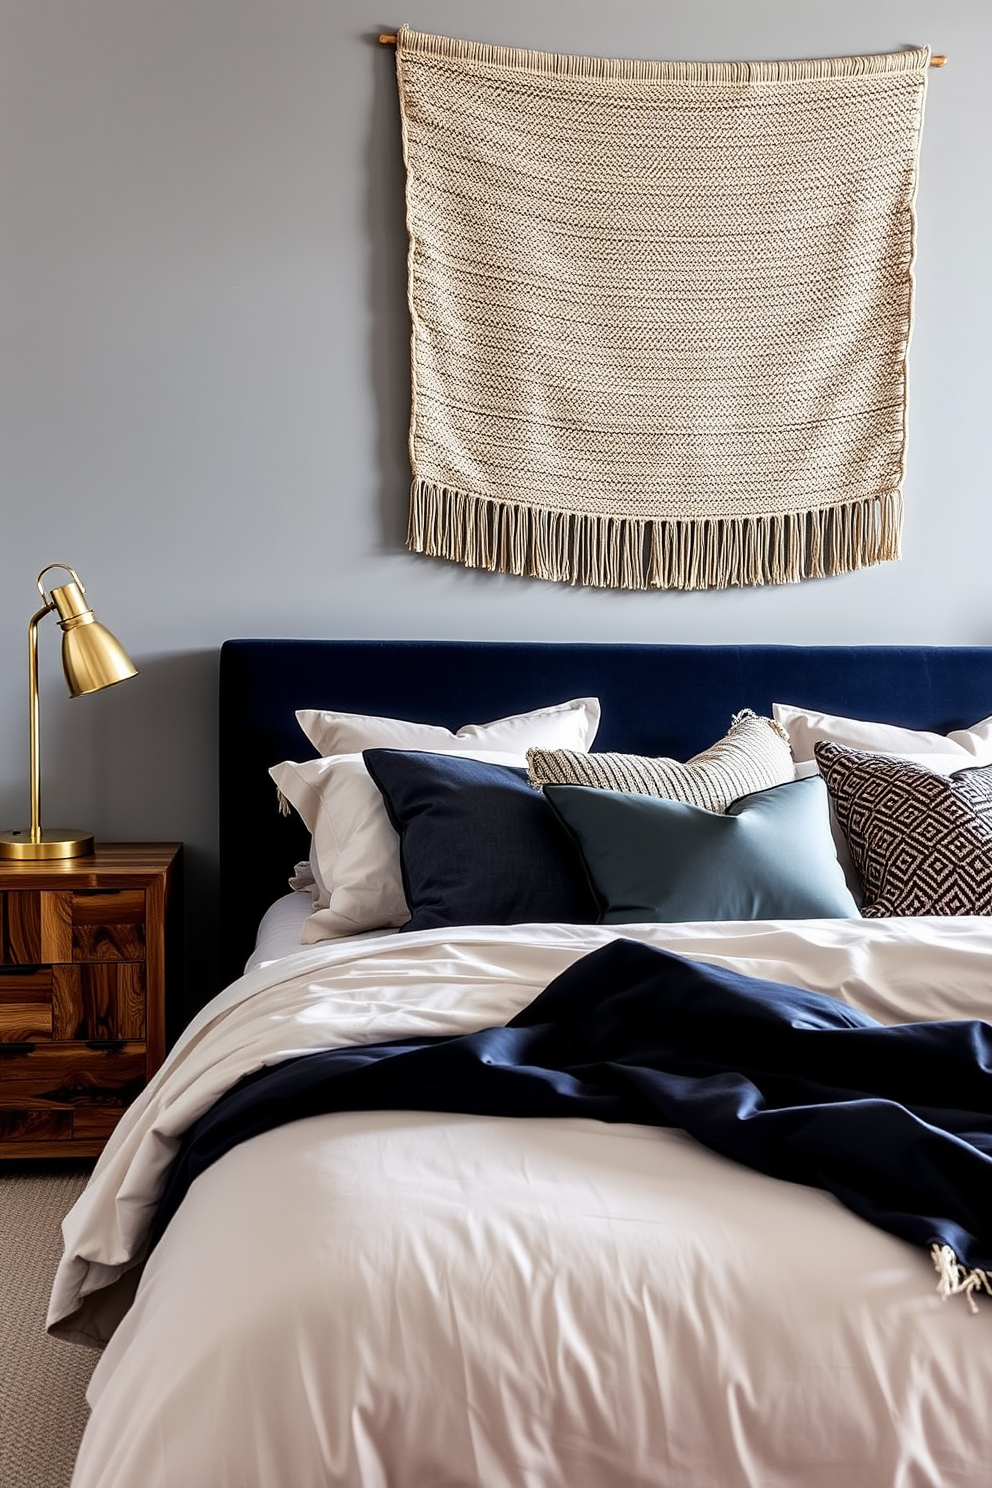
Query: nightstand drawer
x=25, y=1003
x=108, y=925
x=39, y=925
x=84, y=1000
x=98, y=1000
x=64, y=1092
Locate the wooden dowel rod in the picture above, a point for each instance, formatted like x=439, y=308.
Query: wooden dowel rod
x=388, y=38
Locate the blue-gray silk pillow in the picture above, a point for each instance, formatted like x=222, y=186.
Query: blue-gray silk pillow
x=770, y=856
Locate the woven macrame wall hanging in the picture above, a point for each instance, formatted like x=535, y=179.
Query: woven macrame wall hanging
x=660, y=312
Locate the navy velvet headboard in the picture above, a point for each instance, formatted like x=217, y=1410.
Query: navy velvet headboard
x=656, y=700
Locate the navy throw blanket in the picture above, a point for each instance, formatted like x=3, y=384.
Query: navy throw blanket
x=895, y=1121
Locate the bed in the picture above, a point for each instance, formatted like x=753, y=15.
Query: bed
x=426, y=1297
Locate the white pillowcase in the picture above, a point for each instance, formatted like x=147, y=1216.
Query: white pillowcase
x=958, y=750
x=356, y=851
x=943, y=753
x=570, y=725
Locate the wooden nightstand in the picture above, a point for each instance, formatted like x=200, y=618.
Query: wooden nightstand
x=84, y=946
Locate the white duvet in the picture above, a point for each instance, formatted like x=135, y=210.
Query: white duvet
x=424, y=1301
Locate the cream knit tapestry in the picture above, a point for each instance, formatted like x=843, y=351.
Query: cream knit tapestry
x=660, y=311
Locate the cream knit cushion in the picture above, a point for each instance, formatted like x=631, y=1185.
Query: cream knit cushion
x=753, y=756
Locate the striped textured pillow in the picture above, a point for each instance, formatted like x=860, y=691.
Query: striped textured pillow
x=753, y=755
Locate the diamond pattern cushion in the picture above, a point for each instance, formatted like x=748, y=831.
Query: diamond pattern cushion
x=922, y=841
x=752, y=756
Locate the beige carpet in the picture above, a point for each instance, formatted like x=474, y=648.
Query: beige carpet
x=42, y=1381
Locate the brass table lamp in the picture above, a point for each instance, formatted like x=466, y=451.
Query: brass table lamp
x=92, y=659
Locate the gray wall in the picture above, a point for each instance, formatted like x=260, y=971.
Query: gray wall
x=203, y=354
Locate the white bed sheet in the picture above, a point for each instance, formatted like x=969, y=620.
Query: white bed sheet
x=416, y=1299
x=279, y=929
x=281, y=926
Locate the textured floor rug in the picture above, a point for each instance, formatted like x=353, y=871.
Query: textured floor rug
x=42, y=1382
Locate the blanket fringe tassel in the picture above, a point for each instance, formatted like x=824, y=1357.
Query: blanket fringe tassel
x=954, y=1279
x=633, y=553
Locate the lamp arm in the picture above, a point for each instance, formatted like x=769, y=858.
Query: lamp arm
x=34, y=722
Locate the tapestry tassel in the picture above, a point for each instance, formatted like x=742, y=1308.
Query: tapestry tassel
x=953, y=1278
x=641, y=553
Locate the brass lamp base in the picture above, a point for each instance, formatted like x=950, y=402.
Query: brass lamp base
x=55, y=843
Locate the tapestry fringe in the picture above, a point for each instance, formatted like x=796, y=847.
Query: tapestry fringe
x=631, y=553
x=447, y=48
x=954, y=1279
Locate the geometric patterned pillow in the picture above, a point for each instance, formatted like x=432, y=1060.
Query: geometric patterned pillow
x=922, y=841
x=752, y=756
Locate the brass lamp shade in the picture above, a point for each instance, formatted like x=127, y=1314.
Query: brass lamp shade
x=92, y=658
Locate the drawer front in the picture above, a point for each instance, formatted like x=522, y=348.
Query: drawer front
x=35, y=926
x=90, y=1000
x=38, y=1123
x=108, y=925
x=26, y=1009
x=99, y=1000
x=62, y=925
x=67, y=1091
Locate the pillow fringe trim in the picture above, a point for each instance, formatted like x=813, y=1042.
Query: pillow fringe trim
x=522, y=59
x=635, y=553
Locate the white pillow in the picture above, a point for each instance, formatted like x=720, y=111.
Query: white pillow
x=943, y=753
x=570, y=725
x=958, y=750
x=355, y=853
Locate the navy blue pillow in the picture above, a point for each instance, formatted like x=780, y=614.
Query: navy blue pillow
x=478, y=845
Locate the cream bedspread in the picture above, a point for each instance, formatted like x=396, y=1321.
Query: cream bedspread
x=417, y=1299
